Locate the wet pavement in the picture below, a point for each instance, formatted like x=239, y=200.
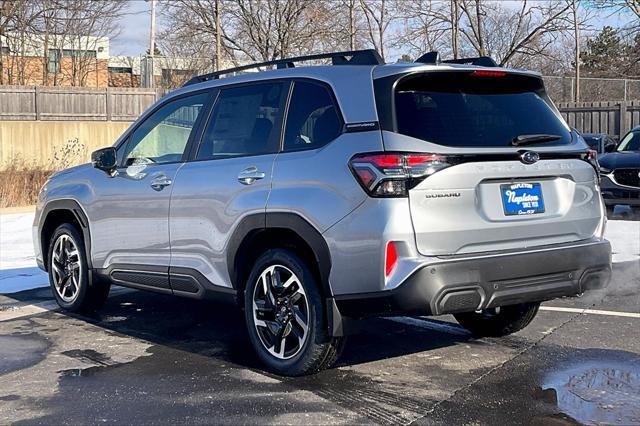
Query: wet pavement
x=148, y=358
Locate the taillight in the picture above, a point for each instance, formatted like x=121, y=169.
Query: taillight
x=592, y=157
x=391, y=258
x=394, y=174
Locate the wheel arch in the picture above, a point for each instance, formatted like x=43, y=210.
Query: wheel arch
x=260, y=231
x=54, y=214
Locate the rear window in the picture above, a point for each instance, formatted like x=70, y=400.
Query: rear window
x=460, y=109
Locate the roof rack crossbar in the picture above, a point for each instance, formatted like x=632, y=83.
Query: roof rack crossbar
x=434, y=58
x=350, y=57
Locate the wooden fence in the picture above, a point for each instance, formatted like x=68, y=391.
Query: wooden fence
x=612, y=118
x=126, y=104
x=74, y=104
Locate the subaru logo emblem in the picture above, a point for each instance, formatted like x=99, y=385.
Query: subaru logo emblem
x=529, y=157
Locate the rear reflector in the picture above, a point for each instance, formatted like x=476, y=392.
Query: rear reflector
x=391, y=259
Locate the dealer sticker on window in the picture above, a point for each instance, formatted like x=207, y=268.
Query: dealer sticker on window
x=522, y=199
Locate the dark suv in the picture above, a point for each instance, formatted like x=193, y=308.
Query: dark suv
x=621, y=173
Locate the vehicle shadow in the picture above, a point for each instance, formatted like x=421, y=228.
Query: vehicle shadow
x=213, y=329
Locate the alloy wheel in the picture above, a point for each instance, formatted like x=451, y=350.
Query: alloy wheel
x=66, y=268
x=280, y=312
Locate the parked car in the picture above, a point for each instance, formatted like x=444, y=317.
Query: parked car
x=600, y=142
x=620, y=171
x=316, y=196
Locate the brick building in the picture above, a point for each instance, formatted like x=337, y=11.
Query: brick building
x=54, y=60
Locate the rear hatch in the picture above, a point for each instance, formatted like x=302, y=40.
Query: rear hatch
x=485, y=193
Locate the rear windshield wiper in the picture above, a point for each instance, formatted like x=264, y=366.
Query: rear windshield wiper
x=533, y=139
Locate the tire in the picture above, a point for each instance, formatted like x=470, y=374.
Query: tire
x=294, y=300
x=500, y=321
x=67, y=257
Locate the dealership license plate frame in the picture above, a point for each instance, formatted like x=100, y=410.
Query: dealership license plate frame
x=531, y=206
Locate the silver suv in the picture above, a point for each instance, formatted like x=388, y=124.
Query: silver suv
x=317, y=196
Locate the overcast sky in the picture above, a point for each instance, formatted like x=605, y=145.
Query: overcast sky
x=134, y=37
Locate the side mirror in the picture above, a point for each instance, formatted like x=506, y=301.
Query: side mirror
x=105, y=159
x=610, y=147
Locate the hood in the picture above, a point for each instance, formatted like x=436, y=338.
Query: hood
x=620, y=160
x=71, y=170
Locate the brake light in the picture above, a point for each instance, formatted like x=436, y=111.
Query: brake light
x=391, y=259
x=393, y=174
x=484, y=73
x=592, y=157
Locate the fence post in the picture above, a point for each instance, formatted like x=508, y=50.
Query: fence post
x=623, y=119
x=36, y=101
x=107, y=101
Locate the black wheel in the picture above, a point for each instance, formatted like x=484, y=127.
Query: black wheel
x=285, y=316
x=69, y=274
x=500, y=321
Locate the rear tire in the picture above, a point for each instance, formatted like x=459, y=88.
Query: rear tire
x=69, y=274
x=285, y=316
x=498, y=322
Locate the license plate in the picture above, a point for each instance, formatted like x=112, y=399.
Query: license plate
x=522, y=199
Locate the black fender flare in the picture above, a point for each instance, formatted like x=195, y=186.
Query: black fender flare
x=282, y=220
x=74, y=207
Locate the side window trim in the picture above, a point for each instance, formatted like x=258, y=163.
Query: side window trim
x=126, y=140
x=334, y=101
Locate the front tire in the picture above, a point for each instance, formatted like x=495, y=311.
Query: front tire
x=500, y=321
x=69, y=274
x=285, y=316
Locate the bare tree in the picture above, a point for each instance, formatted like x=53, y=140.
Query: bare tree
x=512, y=36
x=263, y=30
x=425, y=25
x=80, y=28
x=17, y=21
x=379, y=16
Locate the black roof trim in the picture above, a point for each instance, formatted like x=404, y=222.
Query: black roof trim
x=350, y=57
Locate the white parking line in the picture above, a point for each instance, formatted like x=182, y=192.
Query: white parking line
x=590, y=311
x=20, y=311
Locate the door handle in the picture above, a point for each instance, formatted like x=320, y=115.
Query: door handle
x=160, y=182
x=250, y=175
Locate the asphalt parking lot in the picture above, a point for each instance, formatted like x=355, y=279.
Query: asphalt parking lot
x=148, y=358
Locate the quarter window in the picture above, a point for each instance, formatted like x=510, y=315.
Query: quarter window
x=245, y=121
x=313, y=119
x=163, y=137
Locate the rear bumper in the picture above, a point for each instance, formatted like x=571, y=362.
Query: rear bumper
x=466, y=284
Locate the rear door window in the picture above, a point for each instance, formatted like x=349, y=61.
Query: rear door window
x=461, y=109
x=245, y=120
x=313, y=119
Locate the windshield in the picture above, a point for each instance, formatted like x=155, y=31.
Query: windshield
x=462, y=109
x=631, y=142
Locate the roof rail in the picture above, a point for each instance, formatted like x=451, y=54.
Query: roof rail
x=350, y=57
x=434, y=58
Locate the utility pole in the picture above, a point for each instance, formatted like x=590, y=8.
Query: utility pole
x=455, y=15
x=576, y=29
x=218, y=39
x=352, y=25
x=152, y=45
